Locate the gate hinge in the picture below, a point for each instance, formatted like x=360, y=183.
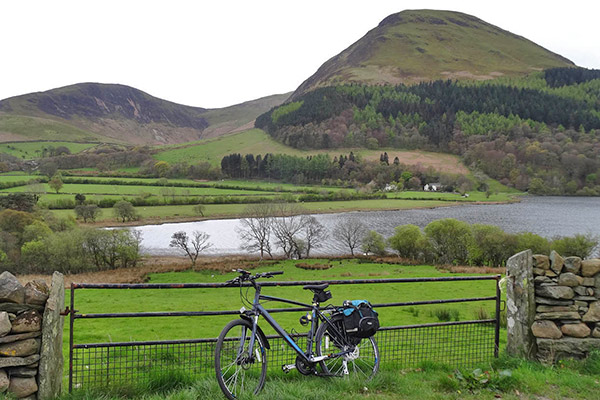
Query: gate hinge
x=67, y=311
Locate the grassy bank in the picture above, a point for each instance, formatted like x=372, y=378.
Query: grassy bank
x=505, y=378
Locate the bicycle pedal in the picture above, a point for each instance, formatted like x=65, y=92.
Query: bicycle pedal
x=288, y=367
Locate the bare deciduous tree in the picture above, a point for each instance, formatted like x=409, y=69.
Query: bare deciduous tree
x=287, y=227
x=199, y=242
x=314, y=234
x=255, y=232
x=350, y=233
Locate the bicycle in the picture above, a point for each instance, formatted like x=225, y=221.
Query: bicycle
x=240, y=353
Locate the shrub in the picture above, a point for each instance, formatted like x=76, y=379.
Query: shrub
x=578, y=245
x=490, y=245
x=373, y=243
x=528, y=240
x=87, y=212
x=408, y=241
x=450, y=240
x=125, y=211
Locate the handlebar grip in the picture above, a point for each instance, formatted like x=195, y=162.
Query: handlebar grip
x=275, y=273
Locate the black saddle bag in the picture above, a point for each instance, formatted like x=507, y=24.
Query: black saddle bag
x=360, y=319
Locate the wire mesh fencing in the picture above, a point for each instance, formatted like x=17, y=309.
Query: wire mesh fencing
x=103, y=365
x=117, y=364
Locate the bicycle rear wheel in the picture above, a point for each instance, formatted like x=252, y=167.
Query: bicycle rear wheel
x=239, y=373
x=362, y=360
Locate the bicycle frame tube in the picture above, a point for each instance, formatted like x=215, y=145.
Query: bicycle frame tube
x=260, y=310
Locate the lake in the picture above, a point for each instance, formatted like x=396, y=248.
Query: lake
x=546, y=216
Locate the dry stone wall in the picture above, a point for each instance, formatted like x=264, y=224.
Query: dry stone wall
x=567, y=313
x=24, y=328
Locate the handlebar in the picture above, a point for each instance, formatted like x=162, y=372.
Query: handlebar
x=247, y=276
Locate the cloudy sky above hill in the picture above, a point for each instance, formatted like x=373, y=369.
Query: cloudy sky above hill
x=220, y=53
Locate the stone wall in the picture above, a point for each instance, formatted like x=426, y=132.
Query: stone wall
x=28, y=332
x=567, y=314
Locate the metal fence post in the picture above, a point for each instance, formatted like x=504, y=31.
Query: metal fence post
x=71, y=324
x=497, y=327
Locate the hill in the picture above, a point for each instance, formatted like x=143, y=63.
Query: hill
x=257, y=142
x=421, y=45
x=118, y=113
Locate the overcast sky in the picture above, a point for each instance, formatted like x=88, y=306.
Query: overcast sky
x=220, y=53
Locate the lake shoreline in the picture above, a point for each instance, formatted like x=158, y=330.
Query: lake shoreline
x=171, y=220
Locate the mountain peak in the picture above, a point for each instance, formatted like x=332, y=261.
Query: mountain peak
x=420, y=45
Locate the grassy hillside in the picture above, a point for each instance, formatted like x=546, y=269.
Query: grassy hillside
x=118, y=113
x=421, y=45
x=212, y=150
x=256, y=141
x=240, y=116
x=29, y=150
x=21, y=127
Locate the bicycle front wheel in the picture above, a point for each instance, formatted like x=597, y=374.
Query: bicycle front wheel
x=240, y=373
x=362, y=359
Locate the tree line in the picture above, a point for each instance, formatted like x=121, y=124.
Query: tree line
x=342, y=170
x=33, y=240
x=268, y=228
x=535, y=129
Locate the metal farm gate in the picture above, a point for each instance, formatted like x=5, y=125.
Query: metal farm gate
x=100, y=365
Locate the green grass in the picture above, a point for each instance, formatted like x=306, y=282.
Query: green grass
x=528, y=380
x=434, y=45
x=94, y=301
x=29, y=150
x=253, y=141
x=35, y=128
x=166, y=213
x=575, y=380
x=16, y=177
x=139, y=190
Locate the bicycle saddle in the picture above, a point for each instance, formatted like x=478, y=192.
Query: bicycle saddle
x=316, y=288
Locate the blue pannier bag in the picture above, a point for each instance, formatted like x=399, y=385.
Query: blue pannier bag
x=360, y=320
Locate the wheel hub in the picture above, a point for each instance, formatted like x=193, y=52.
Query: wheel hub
x=353, y=355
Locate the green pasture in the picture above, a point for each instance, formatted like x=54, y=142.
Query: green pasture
x=212, y=299
x=222, y=184
x=34, y=127
x=16, y=177
x=74, y=188
x=256, y=141
x=253, y=141
x=235, y=210
x=30, y=150
x=577, y=380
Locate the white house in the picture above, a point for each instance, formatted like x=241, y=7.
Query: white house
x=432, y=187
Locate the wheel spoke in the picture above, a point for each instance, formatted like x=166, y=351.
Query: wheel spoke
x=239, y=373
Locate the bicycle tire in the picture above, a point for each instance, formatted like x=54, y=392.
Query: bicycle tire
x=361, y=363
x=240, y=374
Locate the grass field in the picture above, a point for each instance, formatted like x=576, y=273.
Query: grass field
x=102, y=301
x=527, y=380
x=176, y=212
x=253, y=141
x=256, y=141
x=29, y=150
x=227, y=191
x=134, y=190
x=519, y=380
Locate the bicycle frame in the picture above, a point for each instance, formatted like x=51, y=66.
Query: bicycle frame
x=317, y=315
